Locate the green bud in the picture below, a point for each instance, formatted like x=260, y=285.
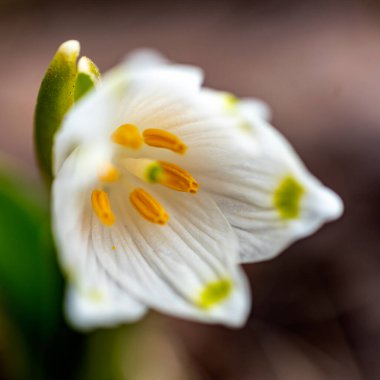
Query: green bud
x=55, y=97
x=87, y=78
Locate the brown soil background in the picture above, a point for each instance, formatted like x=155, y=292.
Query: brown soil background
x=316, y=309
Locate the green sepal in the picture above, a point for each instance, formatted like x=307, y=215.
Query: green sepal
x=87, y=78
x=55, y=97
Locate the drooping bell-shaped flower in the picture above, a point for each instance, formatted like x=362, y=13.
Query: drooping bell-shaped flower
x=162, y=188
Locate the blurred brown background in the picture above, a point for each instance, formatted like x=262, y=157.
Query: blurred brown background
x=316, y=309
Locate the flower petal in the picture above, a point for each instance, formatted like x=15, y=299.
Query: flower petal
x=123, y=96
x=145, y=58
x=147, y=62
x=228, y=104
x=270, y=199
x=100, y=303
x=93, y=298
x=185, y=268
x=252, y=107
x=158, y=102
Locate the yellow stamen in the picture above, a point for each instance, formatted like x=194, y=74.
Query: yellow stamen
x=127, y=135
x=148, y=207
x=102, y=208
x=177, y=178
x=163, y=139
x=108, y=173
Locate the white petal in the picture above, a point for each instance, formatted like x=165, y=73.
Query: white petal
x=252, y=107
x=88, y=122
x=165, y=267
x=145, y=58
x=245, y=191
x=123, y=96
x=229, y=105
x=101, y=304
x=149, y=62
x=181, y=111
x=207, y=134
x=93, y=299
x=183, y=76
x=168, y=267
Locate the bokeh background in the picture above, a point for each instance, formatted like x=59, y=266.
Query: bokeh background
x=316, y=308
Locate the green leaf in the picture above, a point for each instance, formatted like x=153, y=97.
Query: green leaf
x=30, y=280
x=31, y=285
x=55, y=97
x=87, y=78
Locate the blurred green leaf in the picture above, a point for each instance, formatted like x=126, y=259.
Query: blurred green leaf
x=28, y=272
x=55, y=97
x=31, y=286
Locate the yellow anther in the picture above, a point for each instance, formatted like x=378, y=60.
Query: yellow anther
x=177, y=178
x=127, y=135
x=108, y=173
x=102, y=207
x=163, y=139
x=148, y=207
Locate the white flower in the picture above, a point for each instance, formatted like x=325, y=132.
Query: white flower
x=162, y=188
x=272, y=200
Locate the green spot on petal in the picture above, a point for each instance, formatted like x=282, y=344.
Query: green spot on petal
x=230, y=102
x=94, y=295
x=214, y=293
x=245, y=126
x=154, y=173
x=287, y=198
